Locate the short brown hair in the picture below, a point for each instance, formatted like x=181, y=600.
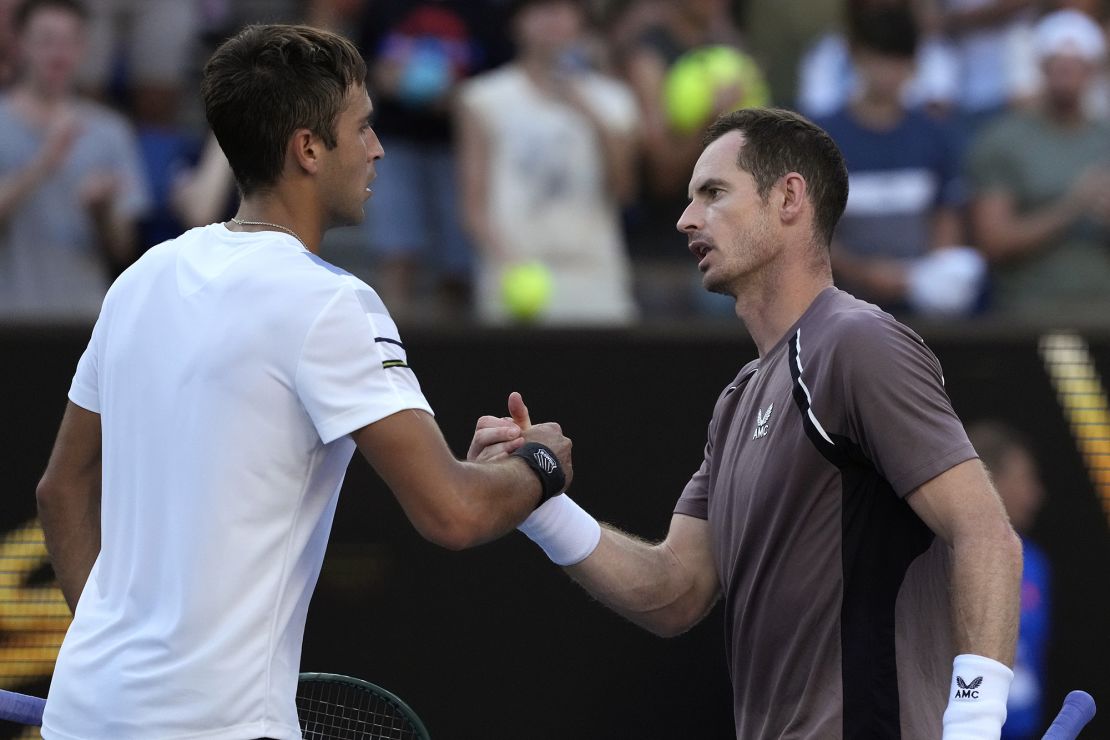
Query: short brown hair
x=28, y=8
x=777, y=142
x=266, y=82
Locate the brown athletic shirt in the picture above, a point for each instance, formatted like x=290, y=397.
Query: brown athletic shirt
x=836, y=603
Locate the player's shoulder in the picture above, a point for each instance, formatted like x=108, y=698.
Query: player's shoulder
x=314, y=280
x=838, y=321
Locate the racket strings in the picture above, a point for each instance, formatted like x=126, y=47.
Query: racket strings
x=335, y=711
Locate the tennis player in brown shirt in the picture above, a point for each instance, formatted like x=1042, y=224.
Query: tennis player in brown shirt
x=869, y=571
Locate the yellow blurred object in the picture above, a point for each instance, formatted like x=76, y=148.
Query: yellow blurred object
x=526, y=290
x=697, y=78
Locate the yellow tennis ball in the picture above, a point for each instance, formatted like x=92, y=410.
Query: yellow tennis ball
x=693, y=81
x=526, y=290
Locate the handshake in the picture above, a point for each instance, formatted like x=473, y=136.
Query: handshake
x=496, y=438
x=558, y=525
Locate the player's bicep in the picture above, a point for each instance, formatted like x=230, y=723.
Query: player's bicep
x=961, y=499
x=898, y=413
x=74, y=466
x=408, y=451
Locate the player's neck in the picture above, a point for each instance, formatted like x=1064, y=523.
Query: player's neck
x=281, y=208
x=774, y=301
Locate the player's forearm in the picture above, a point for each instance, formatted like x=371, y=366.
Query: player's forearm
x=488, y=502
x=986, y=584
x=986, y=591
x=645, y=583
x=70, y=517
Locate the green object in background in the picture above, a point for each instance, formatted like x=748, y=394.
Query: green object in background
x=695, y=79
x=526, y=290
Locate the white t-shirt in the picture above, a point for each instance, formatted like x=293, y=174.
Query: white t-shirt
x=229, y=370
x=549, y=199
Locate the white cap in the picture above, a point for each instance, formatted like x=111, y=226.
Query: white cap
x=1071, y=33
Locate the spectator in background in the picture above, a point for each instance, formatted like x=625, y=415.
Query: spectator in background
x=779, y=32
x=418, y=52
x=670, y=149
x=1041, y=186
x=1013, y=468
x=71, y=184
x=1097, y=99
x=205, y=193
x=827, y=77
x=151, y=42
x=904, y=204
x=985, y=42
x=547, y=151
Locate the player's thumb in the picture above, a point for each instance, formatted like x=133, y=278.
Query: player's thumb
x=519, y=411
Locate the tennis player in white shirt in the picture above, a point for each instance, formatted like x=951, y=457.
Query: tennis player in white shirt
x=230, y=377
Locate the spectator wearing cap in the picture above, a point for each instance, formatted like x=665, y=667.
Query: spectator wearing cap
x=1041, y=186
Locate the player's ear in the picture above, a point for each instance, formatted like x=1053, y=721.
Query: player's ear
x=790, y=192
x=305, y=149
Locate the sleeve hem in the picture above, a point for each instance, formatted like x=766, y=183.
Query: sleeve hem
x=691, y=508
x=357, y=418
x=87, y=401
x=911, y=481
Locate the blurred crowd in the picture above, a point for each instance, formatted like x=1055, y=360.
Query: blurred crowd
x=559, y=135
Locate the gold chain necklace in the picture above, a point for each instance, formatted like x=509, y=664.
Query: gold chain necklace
x=286, y=229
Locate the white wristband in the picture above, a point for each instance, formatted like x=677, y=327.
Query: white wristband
x=563, y=529
x=976, y=699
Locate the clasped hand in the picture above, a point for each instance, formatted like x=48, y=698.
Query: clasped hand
x=497, y=437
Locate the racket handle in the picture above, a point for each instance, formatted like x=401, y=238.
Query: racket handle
x=26, y=710
x=1079, y=708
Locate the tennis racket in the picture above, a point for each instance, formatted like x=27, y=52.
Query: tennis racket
x=333, y=707
x=330, y=707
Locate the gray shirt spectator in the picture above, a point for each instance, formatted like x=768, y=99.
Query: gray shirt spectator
x=71, y=185
x=50, y=259
x=1039, y=183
